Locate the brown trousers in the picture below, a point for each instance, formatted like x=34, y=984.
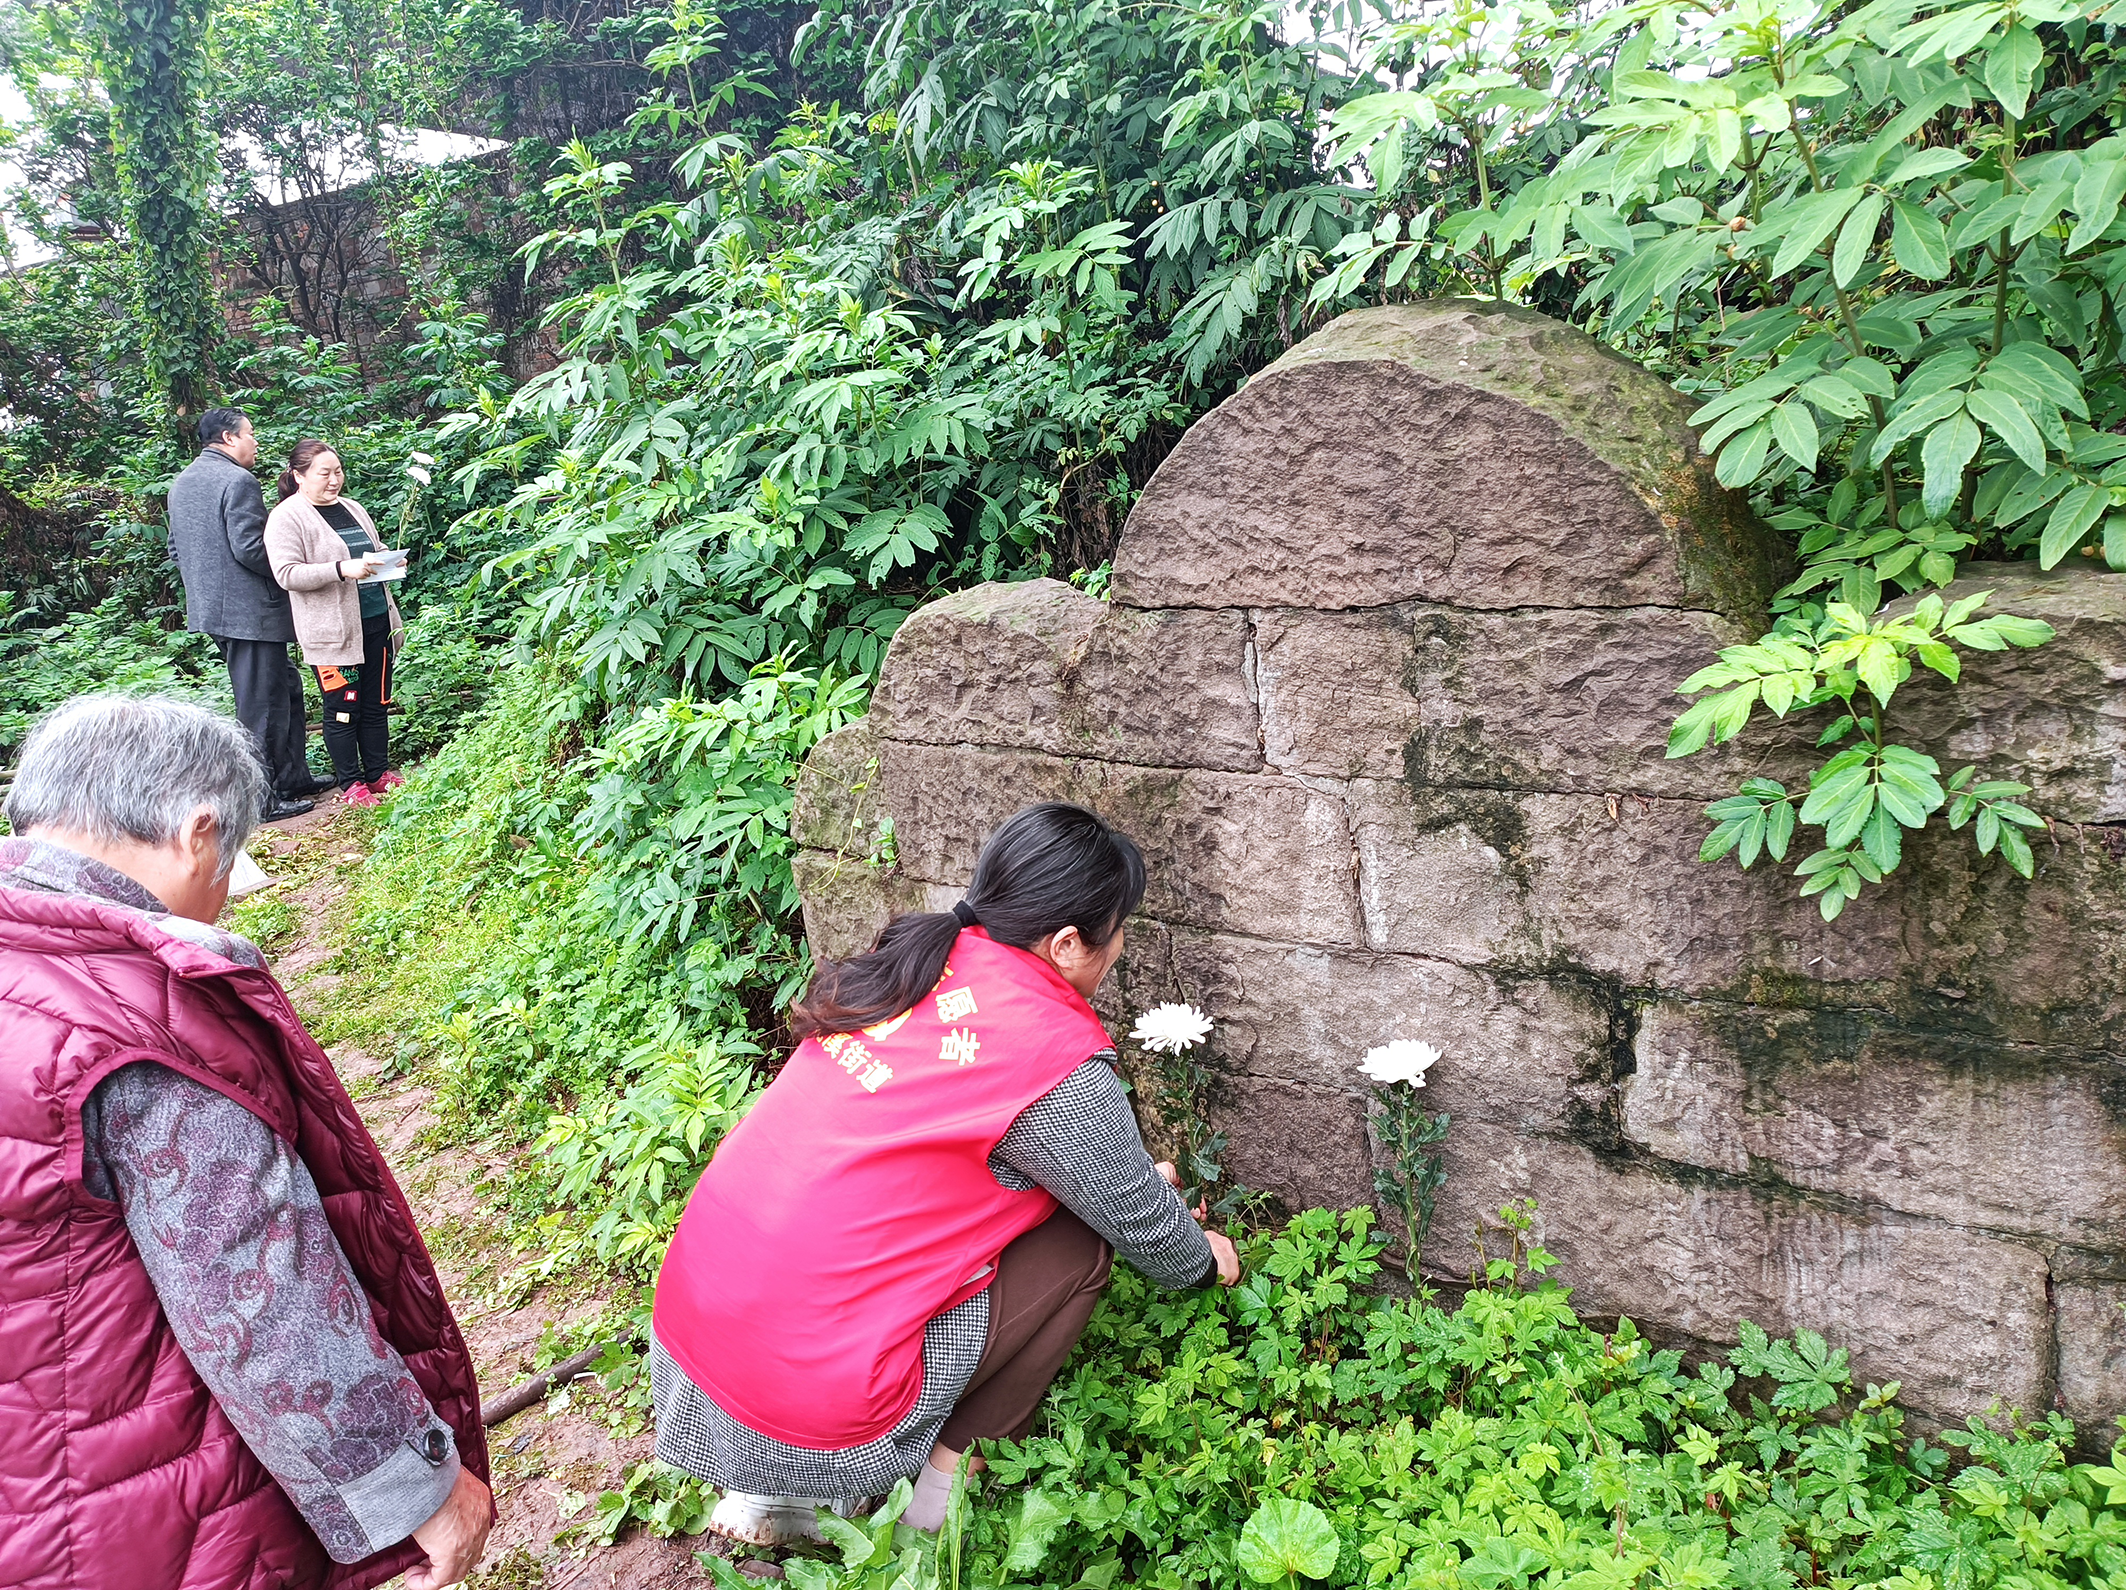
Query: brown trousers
x=1047, y=1283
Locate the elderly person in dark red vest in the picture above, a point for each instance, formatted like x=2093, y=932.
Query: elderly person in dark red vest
x=225, y=1358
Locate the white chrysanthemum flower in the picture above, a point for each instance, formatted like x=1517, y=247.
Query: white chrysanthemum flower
x=1169, y=1029
x=1404, y=1060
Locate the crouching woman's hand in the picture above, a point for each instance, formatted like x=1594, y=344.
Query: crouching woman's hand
x=455, y=1536
x=1227, y=1255
x=1222, y=1248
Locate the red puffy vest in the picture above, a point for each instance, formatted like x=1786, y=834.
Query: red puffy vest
x=854, y=1203
x=117, y=1467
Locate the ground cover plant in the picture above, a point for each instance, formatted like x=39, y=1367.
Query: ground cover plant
x=1308, y=1427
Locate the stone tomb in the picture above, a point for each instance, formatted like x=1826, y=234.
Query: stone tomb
x=1383, y=691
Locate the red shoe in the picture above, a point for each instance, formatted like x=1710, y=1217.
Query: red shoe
x=390, y=781
x=360, y=795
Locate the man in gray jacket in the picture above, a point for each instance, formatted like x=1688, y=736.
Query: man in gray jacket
x=218, y=537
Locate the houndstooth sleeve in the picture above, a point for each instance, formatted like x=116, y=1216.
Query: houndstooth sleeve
x=1080, y=1141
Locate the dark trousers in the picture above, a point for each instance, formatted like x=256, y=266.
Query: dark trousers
x=356, y=696
x=1047, y=1284
x=269, y=702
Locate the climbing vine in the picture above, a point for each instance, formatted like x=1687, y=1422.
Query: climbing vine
x=152, y=56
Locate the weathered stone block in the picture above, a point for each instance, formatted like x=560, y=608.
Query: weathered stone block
x=1960, y=1318
x=1045, y=667
x=2091, y=1321
x=1610, y=886
x=1484, y=456
x=1250, y=853
x=2054, y=716
x=848, y=899
x=1305, y=1147
x=837, y=804
x=1513, y=1048
x=985, y=666
x=1615, y=889
x=1556, y=700
x=1975, y=1133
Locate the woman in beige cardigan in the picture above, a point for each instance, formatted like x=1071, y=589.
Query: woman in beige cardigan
x=320, y=545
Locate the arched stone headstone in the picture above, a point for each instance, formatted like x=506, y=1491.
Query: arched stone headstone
x=1383, y=693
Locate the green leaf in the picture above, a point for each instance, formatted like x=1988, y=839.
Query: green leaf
x=1794, y=429
x=1912, y=418
x=1742, y=458
x=2097, y=194
x=1041, y=1515
x=1812, y=220
x=2115, y=541
x=1692, y=728
x=1985, y=221
x=1856, y=238
x=2017, y=849
x=2039, y=211
x=2010, y=65
x=856, y=1545
x=2018, y=631
x=1724, y=837
x=1847, y=792
x=1933, y=162
x=1872, y=376
x=2002, y=631
x=1882, y=838
x=2049, y=370
x=723, y=1574
x=1285, y=1538
x=2008, y=420
x=1949, y=446
x=2070, y=521
x=1779, y=829
x=1836, y=395
x=1861, y=589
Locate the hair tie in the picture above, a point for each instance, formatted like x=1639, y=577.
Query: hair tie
x=965, y=914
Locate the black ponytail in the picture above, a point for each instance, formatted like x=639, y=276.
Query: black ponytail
x=1046, y=867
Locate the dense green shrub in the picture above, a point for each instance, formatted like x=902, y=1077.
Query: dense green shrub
x=482, y=933
x=103, y=649
x=1884, y=242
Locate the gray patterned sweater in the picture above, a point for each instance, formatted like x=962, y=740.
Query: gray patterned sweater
x=1079, y=1141
x=260, y=1296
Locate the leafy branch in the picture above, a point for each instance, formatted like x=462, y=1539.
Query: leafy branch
x=1865, y=797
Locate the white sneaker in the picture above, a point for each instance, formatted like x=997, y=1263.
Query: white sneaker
x=766, y=1520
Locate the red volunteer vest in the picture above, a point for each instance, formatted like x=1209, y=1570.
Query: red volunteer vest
x=854, y=1203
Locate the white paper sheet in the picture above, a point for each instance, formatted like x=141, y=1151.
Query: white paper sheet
x=386, y=566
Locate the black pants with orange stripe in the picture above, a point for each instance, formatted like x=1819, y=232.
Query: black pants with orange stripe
x=357, y=729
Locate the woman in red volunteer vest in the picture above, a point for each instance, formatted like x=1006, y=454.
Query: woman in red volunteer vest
x=894, y=1252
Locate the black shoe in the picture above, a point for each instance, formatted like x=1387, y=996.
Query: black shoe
x=281, y=810
x=309, y=785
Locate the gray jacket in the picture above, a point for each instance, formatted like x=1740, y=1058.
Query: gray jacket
x=218, y=537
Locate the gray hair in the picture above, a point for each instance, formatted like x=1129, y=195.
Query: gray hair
x=119, y=767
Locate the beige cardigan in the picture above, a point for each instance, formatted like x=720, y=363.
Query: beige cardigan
x=306, y=553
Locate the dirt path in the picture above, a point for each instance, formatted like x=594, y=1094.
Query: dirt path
x=544, y=1461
